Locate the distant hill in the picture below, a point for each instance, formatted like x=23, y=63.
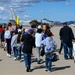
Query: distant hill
x=60, y=23
x=71, y=22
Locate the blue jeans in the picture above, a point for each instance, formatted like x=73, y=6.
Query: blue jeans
x=48, y=62
x=19, y=53
x=15, y=51
x=27, y=59
x=61, y=46
x=66, y=51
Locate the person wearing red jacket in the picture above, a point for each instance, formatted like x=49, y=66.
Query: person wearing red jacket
x=1, y=30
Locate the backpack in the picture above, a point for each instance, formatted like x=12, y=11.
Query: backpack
x=7, y=34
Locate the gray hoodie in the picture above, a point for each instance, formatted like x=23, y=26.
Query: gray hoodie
x=49, y=44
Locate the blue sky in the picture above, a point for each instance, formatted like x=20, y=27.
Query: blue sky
x=54, y=10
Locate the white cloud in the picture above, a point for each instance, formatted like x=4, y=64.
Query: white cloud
x=54, y=0
x=2, y=8
x=27, y=16
x=5, y=17
x=42, y=11
x=35, y=1
x=5, y=1
x=21, y=3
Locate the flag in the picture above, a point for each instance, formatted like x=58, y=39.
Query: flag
x=17, y=20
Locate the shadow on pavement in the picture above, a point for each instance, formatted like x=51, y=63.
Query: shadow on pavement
x=0, y=59
x=38, y=67
x=60, y=68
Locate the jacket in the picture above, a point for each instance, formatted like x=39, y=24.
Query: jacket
x=49, y=44
x=66, y=35
x=28, y=42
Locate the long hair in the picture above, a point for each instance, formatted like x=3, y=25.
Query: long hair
x=19, y=37
x=39, y=30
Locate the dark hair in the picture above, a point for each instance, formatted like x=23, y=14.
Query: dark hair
x=64, y=23
x=9, y=24
x=39, y=30
x=0, y=26
x=47, y=25
x=19, y=36
x=48, y=33
x=21, y=27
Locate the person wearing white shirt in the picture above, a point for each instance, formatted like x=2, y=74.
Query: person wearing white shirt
x=38, y=39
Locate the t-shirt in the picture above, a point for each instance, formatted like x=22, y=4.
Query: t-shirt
x=7, y=34
x=38, y=39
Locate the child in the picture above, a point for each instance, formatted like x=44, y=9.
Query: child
x=13, y=44
x=38, y=39
x=28, y=42
x=49, y=44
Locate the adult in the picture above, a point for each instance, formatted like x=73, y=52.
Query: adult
x=66, y=34
x=1, y=30
x=46, y=28
x=7, y=36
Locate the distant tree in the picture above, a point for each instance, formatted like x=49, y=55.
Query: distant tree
x=34, y=23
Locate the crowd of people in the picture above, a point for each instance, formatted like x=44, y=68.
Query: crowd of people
x=19, y=40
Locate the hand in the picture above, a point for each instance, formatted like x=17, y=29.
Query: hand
x=73, y=40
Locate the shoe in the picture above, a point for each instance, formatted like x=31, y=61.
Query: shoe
x=19, y=58
x=49, y=71
x=59, y=52
x=15, y=58
x=71, y=57
x=7, y=54
x=66, y=58
x=46, y=69
x=27, y=70
x=4, y=49
x=30, y=70
x=38, y=62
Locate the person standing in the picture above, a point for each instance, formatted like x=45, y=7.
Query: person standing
x=14, y=43
x=1, y=30
x=50, y=46
x=66, y=34
x=38, y=39
x=7, y=36
x=28, y=42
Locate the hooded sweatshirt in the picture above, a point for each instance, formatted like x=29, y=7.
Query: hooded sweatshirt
x=49, y=44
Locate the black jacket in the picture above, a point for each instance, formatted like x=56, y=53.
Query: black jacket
x=28, y=42
x=66, y=35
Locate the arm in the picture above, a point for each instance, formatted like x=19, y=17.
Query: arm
x=22, y=38
x=71, y=34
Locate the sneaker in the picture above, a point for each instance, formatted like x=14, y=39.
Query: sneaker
x=27, y=70
x=49, y=71
x=71, y=57
x=15, y=58
x=46, y=69
x=7, y=54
